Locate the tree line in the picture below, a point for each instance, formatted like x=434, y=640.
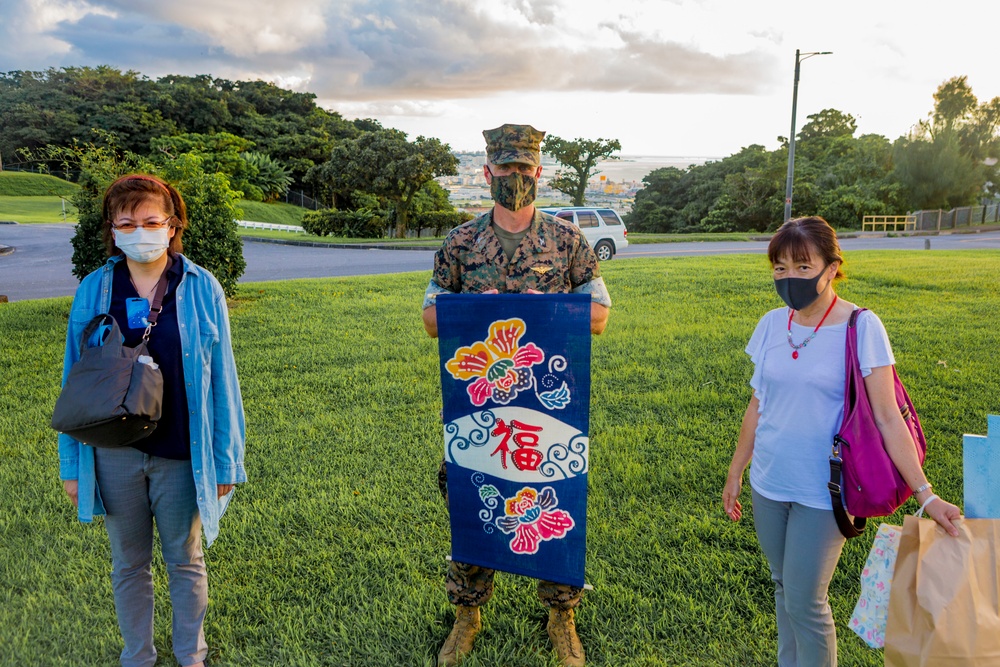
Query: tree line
x=947, y=160
x=219, y=141
x=58, y=107
x=263, y=138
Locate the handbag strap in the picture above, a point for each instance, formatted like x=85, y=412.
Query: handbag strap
x=849, y=526
x=157, y=305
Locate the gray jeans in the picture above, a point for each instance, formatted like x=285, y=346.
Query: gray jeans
x=802, y=546
x=137, y=489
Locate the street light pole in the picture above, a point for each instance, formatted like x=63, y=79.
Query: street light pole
x=791, y=136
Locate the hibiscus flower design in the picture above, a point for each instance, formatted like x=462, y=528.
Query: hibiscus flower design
x=499, y=366
x=533, y=518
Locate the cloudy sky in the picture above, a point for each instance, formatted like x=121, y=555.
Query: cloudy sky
x=665, y=77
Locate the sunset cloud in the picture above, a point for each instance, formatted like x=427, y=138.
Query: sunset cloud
x=383, y=49
x=681, y=77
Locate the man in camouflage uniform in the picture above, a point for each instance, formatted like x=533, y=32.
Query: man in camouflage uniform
x=513, y=248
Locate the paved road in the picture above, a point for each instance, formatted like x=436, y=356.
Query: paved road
x=943, y=242
x=41, y=265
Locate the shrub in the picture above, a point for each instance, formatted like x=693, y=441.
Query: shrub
x=99, y=166
x=272, y=179
x=211, y=239
x=361, y=224
x=439, y=221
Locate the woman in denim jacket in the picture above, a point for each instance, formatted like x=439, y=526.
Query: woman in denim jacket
x=182, y=475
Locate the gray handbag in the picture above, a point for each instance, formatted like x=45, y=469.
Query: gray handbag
x=113, y=395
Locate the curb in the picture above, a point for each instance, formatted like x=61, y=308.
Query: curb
x=341, y=246
x=855, y=234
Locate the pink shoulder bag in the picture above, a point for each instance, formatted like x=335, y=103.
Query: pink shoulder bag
x=864, y=481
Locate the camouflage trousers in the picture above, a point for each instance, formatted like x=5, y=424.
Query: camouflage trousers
x=472, y=585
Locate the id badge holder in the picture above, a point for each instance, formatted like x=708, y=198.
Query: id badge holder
x=137, y=311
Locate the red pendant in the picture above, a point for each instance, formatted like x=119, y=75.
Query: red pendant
x=795, y=354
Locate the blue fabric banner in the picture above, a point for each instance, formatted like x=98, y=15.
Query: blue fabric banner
x=981, y=470
x=515, y=384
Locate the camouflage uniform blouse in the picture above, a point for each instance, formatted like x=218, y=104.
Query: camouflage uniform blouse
x=553, y=257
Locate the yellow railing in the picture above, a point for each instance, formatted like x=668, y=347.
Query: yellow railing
x=897, y=222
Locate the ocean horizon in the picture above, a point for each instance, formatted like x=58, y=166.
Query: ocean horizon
x=635, y=167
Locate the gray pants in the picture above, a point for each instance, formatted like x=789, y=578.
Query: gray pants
x=802, y=546
x=136, y=489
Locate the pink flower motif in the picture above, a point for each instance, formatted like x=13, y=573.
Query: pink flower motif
x=532, y=518
x=528, y=356
x=480, y=390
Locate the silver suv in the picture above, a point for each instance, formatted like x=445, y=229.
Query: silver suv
x=603, y=228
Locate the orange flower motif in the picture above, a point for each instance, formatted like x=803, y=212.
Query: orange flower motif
x=521, y=503
x=500, y=366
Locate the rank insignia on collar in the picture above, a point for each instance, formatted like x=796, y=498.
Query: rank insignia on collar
x=541, y=270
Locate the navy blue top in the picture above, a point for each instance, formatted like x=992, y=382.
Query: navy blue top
x=171, y=438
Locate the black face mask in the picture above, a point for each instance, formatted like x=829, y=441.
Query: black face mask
x=798, y=293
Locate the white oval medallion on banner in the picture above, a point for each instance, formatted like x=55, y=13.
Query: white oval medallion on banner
x=517, y=444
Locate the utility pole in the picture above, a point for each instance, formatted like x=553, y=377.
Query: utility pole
x=791, y=137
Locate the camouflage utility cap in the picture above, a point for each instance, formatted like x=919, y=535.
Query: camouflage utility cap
x=514, y=143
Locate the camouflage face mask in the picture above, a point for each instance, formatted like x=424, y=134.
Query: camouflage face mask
x=514, y=191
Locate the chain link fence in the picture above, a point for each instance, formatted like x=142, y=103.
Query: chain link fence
x=299, y=199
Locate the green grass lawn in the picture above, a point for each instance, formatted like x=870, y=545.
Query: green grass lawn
x=334, y=553
x=640, y=238
x=48, y=208
x=275, y=212
x=29, y=209
x=435, y=242
x=27, y=184
x=310, y=238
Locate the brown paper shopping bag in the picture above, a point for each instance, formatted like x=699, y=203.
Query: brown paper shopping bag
x=944, y=608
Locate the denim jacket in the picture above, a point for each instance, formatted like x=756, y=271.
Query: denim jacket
x=217, y=425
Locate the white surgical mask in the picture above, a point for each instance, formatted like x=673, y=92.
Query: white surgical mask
x=143, y=245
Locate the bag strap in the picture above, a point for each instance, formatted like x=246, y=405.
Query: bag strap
x=157, y=305
x=849, y=526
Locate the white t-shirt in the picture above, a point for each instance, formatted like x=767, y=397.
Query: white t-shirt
x=802, y=402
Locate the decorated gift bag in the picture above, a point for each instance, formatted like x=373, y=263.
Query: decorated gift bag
x=872, y=610
x=944, y=607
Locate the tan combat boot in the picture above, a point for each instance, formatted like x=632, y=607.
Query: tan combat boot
x=562, y=632
x=463, y=634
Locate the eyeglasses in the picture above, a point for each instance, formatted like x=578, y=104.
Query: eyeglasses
x=128, y=226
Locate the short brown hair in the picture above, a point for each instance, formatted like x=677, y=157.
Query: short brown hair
x=799, y=237
x=131, y=191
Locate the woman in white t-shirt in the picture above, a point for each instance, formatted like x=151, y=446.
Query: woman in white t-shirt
x=796, y=409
